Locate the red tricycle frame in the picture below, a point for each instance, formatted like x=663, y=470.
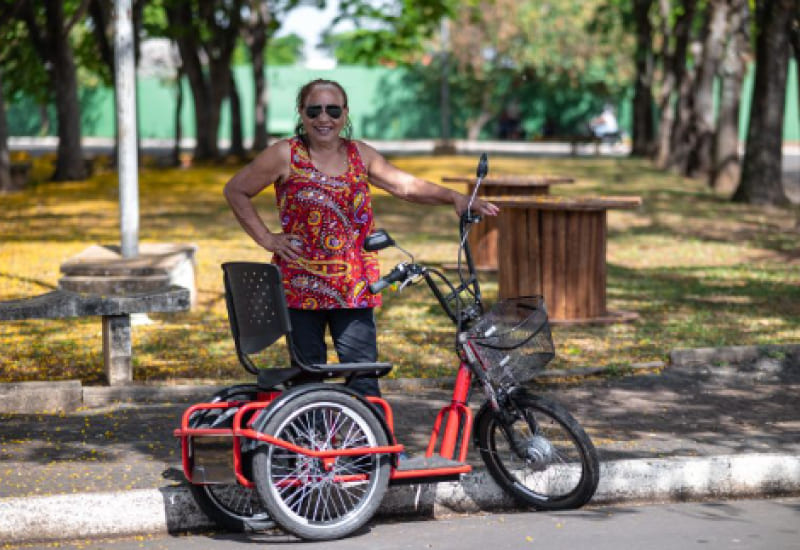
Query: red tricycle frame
x=458, y=423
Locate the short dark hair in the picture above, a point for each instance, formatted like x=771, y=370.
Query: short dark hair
x=303, y=94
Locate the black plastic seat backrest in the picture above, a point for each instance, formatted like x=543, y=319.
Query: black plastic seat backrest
x=256, y=307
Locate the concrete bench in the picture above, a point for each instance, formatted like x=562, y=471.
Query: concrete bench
x=116, y=313
x=100, y=282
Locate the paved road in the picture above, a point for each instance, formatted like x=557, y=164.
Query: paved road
x=748, y=524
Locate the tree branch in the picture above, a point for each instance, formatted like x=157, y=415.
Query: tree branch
x=77, y=16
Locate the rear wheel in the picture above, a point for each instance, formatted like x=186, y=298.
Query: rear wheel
x=322, y=499
x=230, y=505
x=537, y=452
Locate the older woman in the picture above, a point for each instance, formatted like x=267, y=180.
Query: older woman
x=322, y=187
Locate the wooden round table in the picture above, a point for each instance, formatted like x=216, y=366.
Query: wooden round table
x=483, y=236
x=556, y=247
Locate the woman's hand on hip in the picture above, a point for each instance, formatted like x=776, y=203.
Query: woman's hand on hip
x=285, y=245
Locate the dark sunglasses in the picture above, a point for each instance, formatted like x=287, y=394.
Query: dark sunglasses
x=334, y=111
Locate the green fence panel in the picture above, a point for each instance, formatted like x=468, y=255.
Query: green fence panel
x=384, y=104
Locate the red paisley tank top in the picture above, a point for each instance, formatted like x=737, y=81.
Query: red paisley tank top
x=331, y=215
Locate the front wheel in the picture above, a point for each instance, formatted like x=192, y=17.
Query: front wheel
x=537, y=452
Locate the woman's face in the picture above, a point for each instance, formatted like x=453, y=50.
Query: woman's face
x=319, y=112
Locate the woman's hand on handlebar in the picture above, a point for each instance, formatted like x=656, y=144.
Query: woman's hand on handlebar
x=479, y=206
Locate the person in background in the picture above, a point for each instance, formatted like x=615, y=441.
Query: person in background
x=605, y=124
x=322, y=186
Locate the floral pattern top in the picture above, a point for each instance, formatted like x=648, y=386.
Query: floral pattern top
x=331, y=215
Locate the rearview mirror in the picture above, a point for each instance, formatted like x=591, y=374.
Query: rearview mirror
x=378, y=240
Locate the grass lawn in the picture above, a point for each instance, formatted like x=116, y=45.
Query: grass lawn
x=698, y=270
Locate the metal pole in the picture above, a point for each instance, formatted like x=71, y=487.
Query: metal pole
x=127, y=162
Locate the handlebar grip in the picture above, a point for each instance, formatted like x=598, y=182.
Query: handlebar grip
x=378, y=285
x=397, y=274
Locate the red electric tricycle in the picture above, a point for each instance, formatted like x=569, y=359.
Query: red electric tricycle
x=316, y=458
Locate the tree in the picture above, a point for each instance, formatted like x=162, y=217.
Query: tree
x=676, y=25
x=726, y=169
x=500, y=48
x=210, y=28
x=48, y=30
x=761, y=181
x=560, y=45
x=259, y=27
x=394, y=32
x=643, y=131
x=5, y=156
x=796, y=47
x=255, y=35
x=702, y=124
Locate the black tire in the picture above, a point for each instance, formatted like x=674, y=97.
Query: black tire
x=559, y=468
x=299, y=493
x=231, y=506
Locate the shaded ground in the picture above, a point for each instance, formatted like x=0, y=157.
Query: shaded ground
x=684, y=411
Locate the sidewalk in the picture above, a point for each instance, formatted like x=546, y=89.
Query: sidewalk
x=714, y=423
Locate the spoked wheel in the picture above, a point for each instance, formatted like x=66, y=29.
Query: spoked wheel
x=322, y=499
x=541, y=456
x=230, y=505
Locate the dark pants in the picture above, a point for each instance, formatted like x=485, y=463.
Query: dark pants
x=354, y=337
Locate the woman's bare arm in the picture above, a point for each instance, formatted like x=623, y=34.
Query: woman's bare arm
x=271, y=166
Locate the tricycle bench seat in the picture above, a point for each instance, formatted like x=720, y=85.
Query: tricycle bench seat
x=269, y=378
x=115, y=311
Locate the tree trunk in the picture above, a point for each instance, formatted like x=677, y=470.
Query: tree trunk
x=205, y=139
x=219, y=78
x=176, y=150
x=180, y=17
x=258, y=44
x=762, y=170
x=237, y=139
x=681, y=128
x=726, y=168
x=701, y=127
x=209, y=90
x=70, y=163
x=5, y=155
x=52, y=45
x=796, y=47
x=643, y=95
x=674, y=74
x=475, y=125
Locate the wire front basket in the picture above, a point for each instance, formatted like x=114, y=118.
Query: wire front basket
x=512, y=340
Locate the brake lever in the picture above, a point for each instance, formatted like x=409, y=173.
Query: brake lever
x=407, y=282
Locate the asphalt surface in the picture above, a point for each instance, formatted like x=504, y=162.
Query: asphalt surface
x=704, y=426
x=718, y=525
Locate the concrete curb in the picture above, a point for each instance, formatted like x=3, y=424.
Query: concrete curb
x=788, y=354
x=172, y=509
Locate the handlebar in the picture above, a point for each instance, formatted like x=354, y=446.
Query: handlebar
x=461, y=302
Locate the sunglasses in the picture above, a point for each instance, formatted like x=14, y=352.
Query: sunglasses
x=334, y=111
